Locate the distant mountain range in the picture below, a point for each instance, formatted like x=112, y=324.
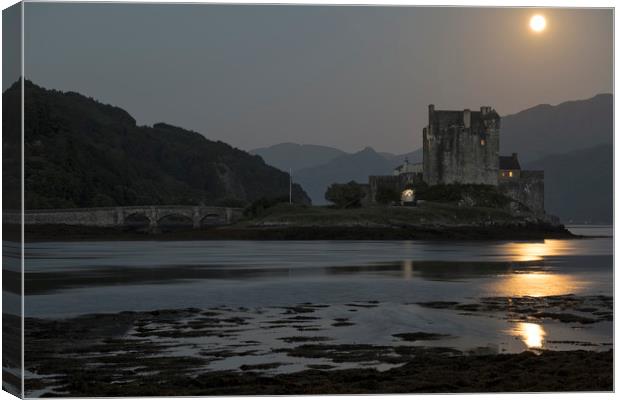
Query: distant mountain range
x=558, y=139
x=82, y=153
x=544, y=130
x=579, y=184
x=572, y=143
x=316, y=167
x=294, y=156
x=345, y=168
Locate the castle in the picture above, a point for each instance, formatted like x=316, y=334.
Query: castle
x=463, y=147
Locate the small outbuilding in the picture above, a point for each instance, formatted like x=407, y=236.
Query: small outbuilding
x=509, y=167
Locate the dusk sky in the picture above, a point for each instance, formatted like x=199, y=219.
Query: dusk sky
x=347, y=77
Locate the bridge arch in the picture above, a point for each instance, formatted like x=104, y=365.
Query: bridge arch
x=175, y=220
x=213, y=219
x=137, y=221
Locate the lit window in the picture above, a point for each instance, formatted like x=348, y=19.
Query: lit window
x=482, y=142
x=509, y=173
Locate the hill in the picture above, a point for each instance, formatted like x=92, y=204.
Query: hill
x=357, y=166
x=579, y=184
x=316, y=167
x=82, y=153
x=544, y=129
x=295, y=156
x=413, y=157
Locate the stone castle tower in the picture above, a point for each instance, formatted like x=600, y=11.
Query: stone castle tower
x=461, y=146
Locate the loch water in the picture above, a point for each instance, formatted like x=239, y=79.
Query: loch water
x=65, y=279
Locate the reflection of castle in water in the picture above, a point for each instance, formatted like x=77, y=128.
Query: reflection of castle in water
x=463, y=147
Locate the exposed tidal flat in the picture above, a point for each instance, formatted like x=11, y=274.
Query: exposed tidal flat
x=231, y=317
x=316, y=348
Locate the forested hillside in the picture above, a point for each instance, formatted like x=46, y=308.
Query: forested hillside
x=82, y=153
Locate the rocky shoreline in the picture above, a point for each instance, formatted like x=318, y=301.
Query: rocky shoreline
x=431, y=373
x=306, y=349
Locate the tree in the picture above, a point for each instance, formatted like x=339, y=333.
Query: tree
x=345, y=195
x=387, y=195
x=258, y=207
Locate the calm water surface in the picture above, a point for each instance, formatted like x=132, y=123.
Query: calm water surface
x=72, y=278
x=88, y=277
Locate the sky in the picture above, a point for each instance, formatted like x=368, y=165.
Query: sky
x=347, y=77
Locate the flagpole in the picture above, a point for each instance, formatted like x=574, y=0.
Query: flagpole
x=290, y=187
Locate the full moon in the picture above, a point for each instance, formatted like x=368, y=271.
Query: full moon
x=538, y=23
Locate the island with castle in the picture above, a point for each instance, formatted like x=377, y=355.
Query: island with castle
x=476, y=194
x=462, y=147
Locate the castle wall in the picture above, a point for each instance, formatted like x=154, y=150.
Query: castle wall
x=395, y=182
x=528, y=189
x=461, y=147
x=376, y=182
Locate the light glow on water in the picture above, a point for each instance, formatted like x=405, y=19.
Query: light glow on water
x=407, y=269
x=537, y=284
x=536, y=251
x=532, y=335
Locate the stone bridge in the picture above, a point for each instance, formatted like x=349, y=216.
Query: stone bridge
x=151, y=216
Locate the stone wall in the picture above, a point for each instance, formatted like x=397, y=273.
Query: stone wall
x=395, y=182
x=461, y=147
x=528, y=189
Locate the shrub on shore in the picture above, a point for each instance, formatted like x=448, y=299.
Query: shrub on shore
x=258, y=207
x=345, y=195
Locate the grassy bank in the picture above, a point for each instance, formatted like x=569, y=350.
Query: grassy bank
x=429, y=214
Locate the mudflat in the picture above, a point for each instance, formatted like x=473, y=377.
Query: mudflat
x=301, y=349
